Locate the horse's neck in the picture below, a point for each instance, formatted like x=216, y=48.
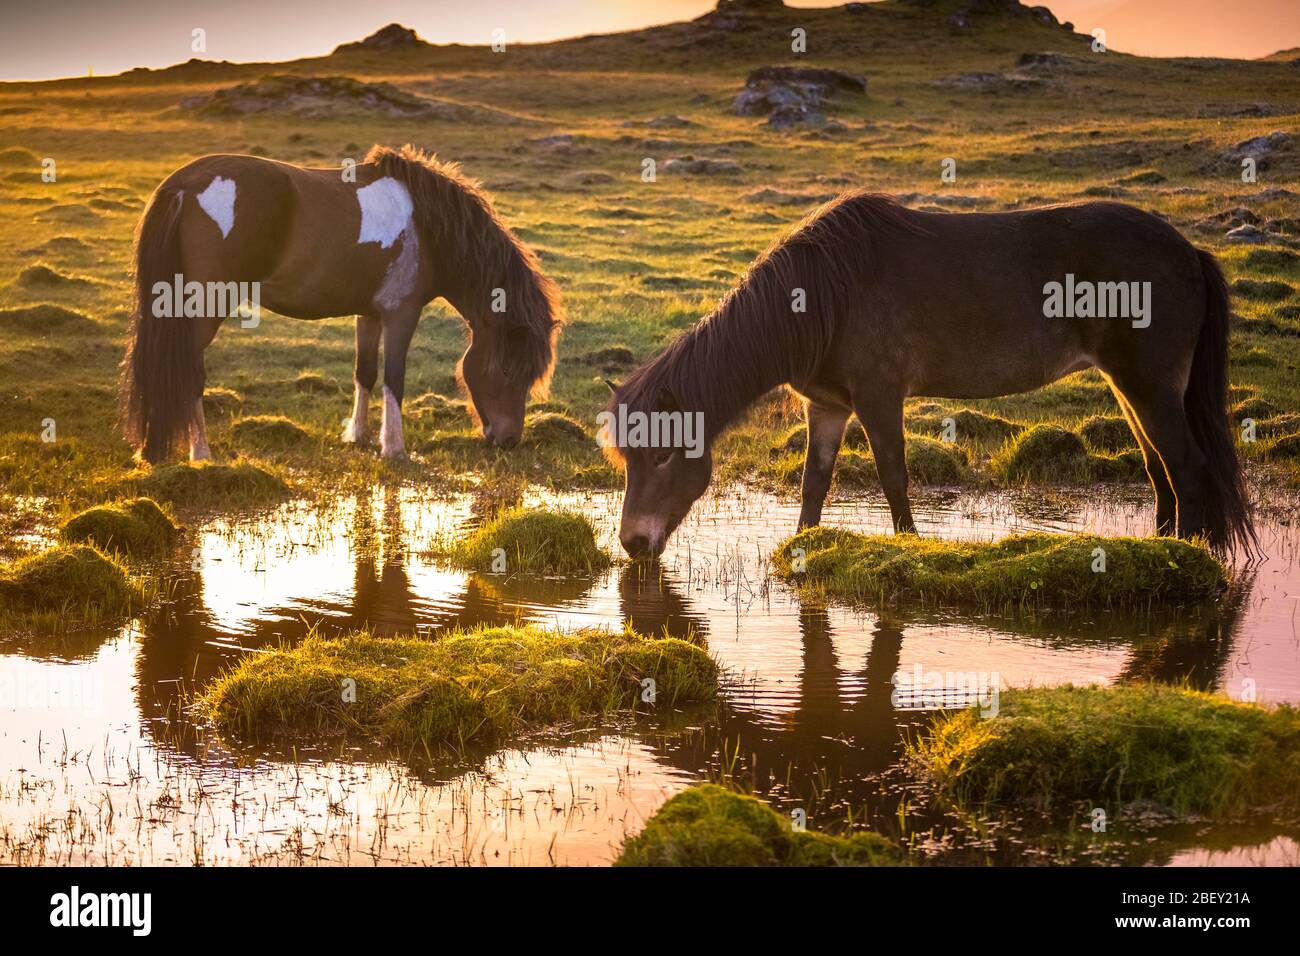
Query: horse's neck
x=744, y=351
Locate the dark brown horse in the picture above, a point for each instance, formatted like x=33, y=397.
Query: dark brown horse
x=900, y=303
x=378, y=240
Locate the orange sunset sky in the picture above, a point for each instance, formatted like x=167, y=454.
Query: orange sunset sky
x=56, y=38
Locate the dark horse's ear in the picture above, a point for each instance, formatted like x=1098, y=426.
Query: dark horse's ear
x=613, y=388
x=668, y=401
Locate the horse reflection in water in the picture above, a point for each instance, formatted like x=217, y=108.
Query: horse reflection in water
x=826, y=750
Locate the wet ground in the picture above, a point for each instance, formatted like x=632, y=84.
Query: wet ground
x=100, y=763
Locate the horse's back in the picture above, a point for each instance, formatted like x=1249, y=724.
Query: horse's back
x=966, y=299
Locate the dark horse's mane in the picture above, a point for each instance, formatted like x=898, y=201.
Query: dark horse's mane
x=456, y=218
x=754, y=340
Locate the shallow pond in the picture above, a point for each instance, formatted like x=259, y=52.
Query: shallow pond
x=100, y=763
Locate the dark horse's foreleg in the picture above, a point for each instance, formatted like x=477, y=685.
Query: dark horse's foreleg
x=882, y=417
x=825, y=432
x=1160, y=413
x=1166, y=502
x=399, y=326
x=355, y=429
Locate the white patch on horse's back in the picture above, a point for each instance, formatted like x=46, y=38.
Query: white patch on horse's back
x=399, y=279
x=386, y=210
x=218, y=201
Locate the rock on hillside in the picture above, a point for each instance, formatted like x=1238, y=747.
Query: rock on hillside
x=392, y=37
x=322, y=96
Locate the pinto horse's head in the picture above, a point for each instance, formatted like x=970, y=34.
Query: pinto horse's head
x=663, y=479
x=492, y=280
x=511, y=353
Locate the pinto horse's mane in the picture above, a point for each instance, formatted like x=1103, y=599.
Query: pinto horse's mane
x=457, y=219
x=755, y=340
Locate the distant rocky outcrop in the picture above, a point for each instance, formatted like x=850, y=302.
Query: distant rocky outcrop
x=789, y=95
x=392, y=37
x=317, y=96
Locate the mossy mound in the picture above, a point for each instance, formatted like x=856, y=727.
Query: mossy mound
x=219, y=403
x=1043, y=453
x=967, y=424
x=466, y=686
x=43, y=318
x=1126, y=466
x=552, y=428
x=709, y=825
x=273, y=433
x=41, y=276
x=538, y=542
x=438, y=409
x=1286, y=448
x=1107, y=433
x=1039, y=570
x=1256, y=407
x=1262, y=290
x=17, y=157
x=1051, y=749
x=208, y=483
x=136, y=528
x=75, y=576
x=1278, y=425
x=315, y=383
x=931, y=462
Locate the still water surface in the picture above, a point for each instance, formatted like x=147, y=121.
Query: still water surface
x=100, y=764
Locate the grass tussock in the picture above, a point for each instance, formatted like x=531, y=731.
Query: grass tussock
x=709, y=825
x=1038, y=570
x=76, y=578
x=208, y=484
x=270, y=433
x=463, y=687
x=136, y=528
x=1049, y=749
x=533, y=542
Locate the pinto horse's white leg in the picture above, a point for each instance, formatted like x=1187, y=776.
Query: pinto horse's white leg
x=355, y=430
x=391, y=444
x=199, y=450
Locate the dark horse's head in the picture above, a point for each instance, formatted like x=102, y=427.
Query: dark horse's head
x=660, y=440
x=493, y=281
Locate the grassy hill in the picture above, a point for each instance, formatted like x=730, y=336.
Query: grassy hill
x=559, y=132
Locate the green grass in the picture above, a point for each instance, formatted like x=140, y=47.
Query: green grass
x=466, y=686
x=76, y=579
x=637, y=262
x=1027, y=570
x=136, y=528
x=531, y=542
x=1053, y=749
x=709, y=825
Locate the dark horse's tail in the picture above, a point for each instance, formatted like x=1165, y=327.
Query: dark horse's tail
x=162, y=373
x=1227, y=518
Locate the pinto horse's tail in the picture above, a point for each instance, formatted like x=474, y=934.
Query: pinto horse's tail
x=162, y=372
x=1227, y=517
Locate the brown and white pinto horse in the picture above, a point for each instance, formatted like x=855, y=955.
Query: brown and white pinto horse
x=380, y=244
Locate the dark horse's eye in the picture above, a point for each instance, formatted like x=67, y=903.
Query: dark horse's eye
x=661, y=456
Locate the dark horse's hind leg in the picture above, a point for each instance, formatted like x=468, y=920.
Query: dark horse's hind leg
x=825, y=432
x=1159, y=411
x=1166, y=502
x=355, y=429
x=882, y=417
